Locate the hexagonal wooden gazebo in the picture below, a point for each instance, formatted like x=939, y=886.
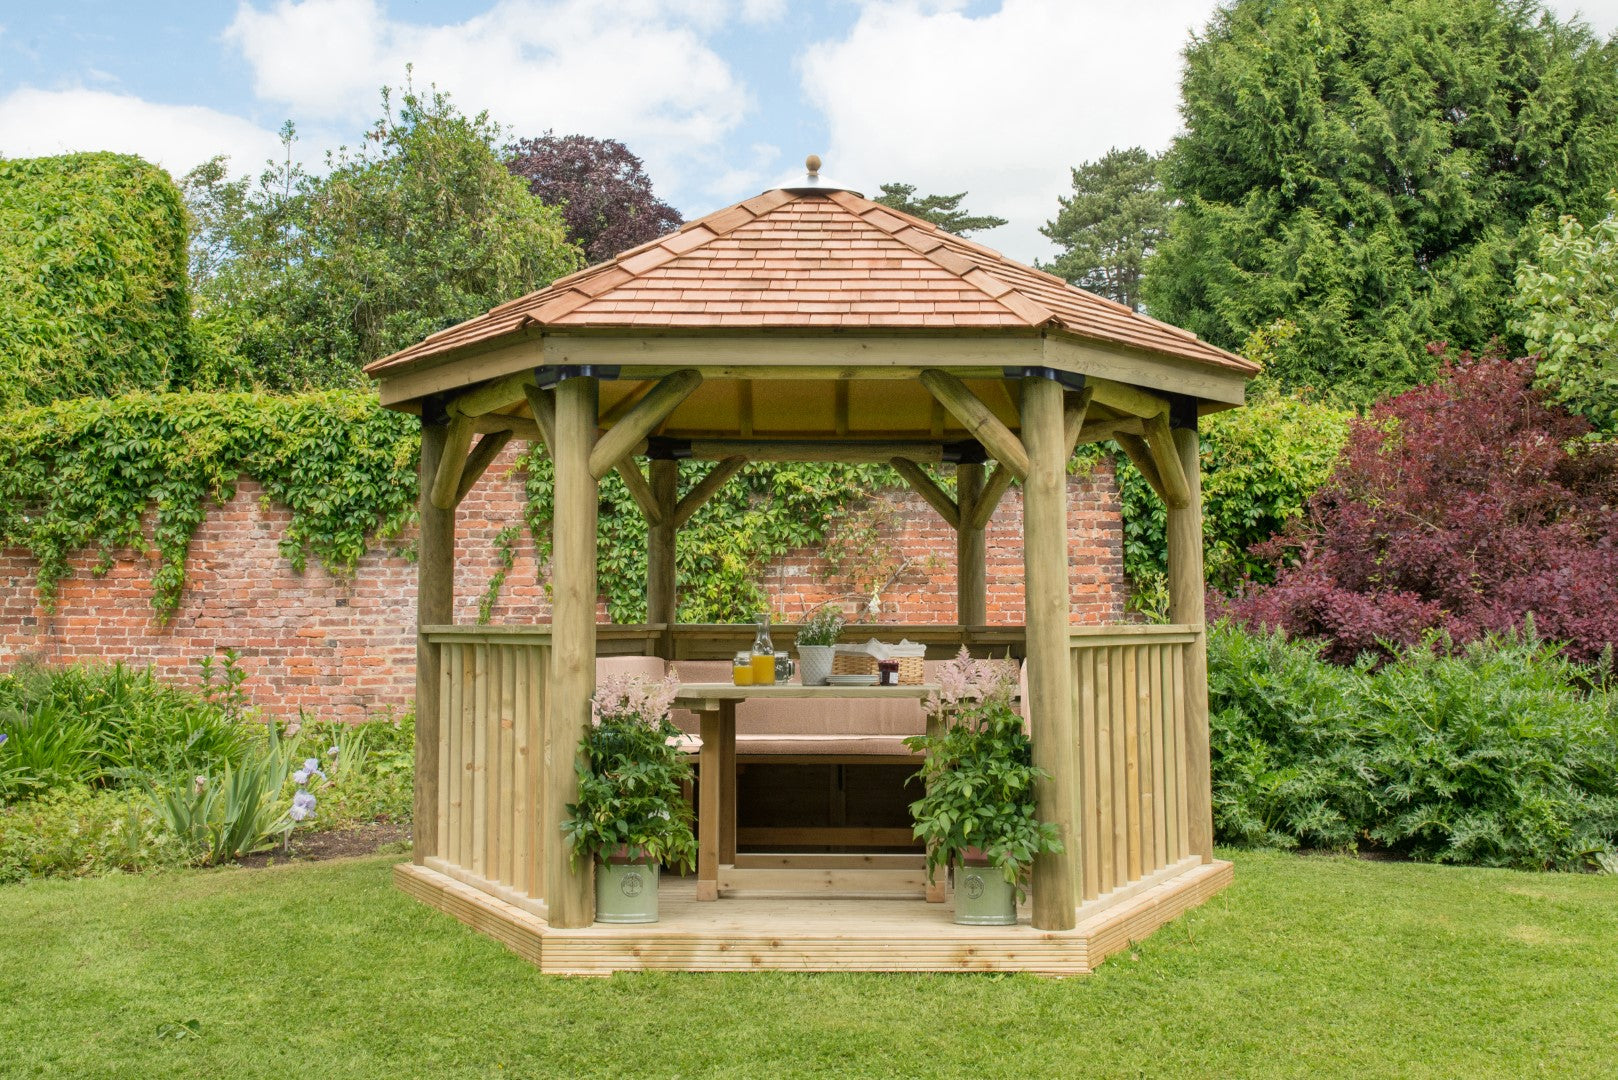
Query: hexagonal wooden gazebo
x=811, y=324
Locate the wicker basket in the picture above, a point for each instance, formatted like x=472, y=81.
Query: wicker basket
x=912, y=669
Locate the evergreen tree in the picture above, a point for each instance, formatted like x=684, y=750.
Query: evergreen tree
x=1111, y=224
x=942, y=210
x=1366, y=170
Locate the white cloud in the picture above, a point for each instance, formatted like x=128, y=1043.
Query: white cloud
x=35, y=123
x=1001, y=105
x=635, y=70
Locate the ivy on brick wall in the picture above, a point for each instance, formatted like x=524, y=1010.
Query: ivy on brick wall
x=763, y=512
x=84, y=474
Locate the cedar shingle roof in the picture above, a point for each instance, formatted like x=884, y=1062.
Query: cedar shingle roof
x=783, y=260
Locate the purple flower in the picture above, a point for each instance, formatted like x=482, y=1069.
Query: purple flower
x=297, y=813
x=304, y=800
x=334, y=751
x=311, y=765
x=301, y=777
x=3, y=738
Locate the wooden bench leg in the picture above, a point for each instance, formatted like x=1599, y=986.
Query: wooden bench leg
x=708, y=812
x=727, y=778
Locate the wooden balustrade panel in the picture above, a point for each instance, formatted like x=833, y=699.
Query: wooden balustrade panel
x=492, y=698
x=1129, y=709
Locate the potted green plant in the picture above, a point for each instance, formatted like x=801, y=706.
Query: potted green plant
x=817, y=640
x=631, y=816
x=977, y=812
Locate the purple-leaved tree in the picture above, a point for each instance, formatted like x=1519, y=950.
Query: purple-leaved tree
x=603, y=189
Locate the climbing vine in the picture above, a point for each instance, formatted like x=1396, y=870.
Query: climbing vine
x=763, y=512
x=84, y=474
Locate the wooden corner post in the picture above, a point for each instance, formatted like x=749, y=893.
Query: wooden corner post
x=971, y=551
x=435, y=602
x=661, y=583
x=569, y=886
x=1186, y=605
x=1050, y=692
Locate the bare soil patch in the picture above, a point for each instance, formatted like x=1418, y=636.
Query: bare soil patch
x=332, y=844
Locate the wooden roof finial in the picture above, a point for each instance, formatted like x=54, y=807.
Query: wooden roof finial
x=812, y=163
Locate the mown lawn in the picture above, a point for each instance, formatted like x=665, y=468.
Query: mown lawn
x=1306, y=967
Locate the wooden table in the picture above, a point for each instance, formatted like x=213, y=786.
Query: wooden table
x=715, y=706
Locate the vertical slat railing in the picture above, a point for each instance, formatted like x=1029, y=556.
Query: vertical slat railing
x=492, y=698
x=1129, y=713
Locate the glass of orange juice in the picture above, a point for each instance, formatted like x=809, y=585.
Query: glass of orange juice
x=741, y=669
x=764, y=669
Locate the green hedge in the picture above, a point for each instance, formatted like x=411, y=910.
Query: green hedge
x=1501, y=754
x=93, y=278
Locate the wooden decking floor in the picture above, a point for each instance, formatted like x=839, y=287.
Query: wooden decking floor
x=813, y=933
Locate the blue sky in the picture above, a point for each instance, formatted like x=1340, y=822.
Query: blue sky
x=722, y=98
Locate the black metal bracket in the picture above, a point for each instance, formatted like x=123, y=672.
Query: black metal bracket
x=663, y=448
x=433, y=411
x=1182, y=412
x=964, y=452
x=1070, y=380
x=547, y=377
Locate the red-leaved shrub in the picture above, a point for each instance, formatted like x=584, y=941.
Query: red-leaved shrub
x=1467, y=506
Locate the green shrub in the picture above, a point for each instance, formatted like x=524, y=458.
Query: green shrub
x=92, y=724
x=1260, y=465
x=93, y=292
x=1503, y=753
x=77, y=832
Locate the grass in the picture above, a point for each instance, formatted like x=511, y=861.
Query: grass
x=1307, y=966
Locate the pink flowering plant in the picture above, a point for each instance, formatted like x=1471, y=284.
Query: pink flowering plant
x=979, y=773
x=630, y=775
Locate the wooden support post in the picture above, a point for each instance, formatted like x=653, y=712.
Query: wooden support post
x=622, y=438
x=1186, y=606
x=1135, y=448
x=928, y=489
x=542, y=403
x=971, y=549
x=1101, y=430
x=569, y=894
x=446, y=479
x=705, y=489
x=993, y=489
x=435, y=604
x=629, y=471
x=1073, y=418
x=661, y=584
x=1165, y=454
x=479, y=460
x=1055, y=885
x=975, y=416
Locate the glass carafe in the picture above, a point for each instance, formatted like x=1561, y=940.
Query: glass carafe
x=763, y=653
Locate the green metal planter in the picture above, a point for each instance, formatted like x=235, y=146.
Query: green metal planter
x=626, y=892
x=983, y=897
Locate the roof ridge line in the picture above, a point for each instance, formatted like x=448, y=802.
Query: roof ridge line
x=959, y=263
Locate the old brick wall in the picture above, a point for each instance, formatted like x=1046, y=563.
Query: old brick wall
x=343, y=648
